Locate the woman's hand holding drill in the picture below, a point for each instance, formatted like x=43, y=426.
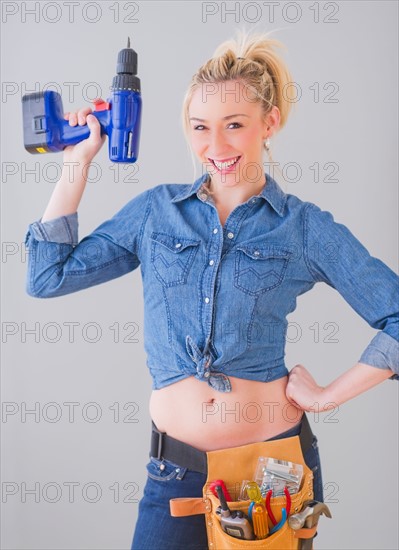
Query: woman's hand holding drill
x=87, y=149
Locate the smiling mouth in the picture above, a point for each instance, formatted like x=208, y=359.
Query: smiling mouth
x=225, y=164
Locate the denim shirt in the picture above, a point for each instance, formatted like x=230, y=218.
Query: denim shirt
x=216, y=297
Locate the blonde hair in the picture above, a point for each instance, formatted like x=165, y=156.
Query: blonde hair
x=261, y=69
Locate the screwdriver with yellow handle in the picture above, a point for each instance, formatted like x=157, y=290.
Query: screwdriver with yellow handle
x=259, y=513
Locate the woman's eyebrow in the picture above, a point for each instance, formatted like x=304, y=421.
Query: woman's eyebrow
x=224, y=118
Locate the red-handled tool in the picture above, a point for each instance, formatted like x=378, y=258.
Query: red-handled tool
x=212, y=487
x=269, y=509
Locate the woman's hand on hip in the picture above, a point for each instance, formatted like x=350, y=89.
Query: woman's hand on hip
x=303, y=391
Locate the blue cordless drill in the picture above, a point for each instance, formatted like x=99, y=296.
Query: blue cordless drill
x=46, y=130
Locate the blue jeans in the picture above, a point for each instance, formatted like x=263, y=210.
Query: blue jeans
x=156, y=529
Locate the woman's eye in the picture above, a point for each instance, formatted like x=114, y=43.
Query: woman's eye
x=237, y=124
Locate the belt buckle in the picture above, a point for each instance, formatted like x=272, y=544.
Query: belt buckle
x=160, y=441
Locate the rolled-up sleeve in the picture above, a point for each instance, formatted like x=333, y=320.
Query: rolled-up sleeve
x=58, y=230
x=335, y=256
x=59, y=264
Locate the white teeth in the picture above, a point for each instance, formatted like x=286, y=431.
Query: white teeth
x=224, y=165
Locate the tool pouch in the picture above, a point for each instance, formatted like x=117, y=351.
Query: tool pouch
x=235, y=464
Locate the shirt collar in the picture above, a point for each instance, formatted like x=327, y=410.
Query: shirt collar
x=271, y=192
x=194, y=188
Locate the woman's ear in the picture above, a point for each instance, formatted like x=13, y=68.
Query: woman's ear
x=271, y=122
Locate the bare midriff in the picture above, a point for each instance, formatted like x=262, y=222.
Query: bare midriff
x=191, y=411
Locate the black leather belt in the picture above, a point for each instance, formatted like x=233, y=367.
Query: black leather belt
x=165, y=447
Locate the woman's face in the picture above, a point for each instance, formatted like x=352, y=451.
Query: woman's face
x=227, y=133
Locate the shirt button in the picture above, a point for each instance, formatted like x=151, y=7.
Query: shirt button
x=211, y=262
x=215, y=230
x=253, y=200
x=178, y=245
x=256, y=252
x=230, y=235
x=203, y=196
x=207, y=374
x=207, y=300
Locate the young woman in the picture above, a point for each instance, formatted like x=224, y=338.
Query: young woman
x=222, y=260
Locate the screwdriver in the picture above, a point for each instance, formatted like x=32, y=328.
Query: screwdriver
x=259, y=513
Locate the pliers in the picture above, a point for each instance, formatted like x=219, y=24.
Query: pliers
x=285, y=511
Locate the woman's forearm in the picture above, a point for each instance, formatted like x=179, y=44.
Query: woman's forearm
x=353, y=382
x=76, y=161
x=68, y=191
x=304, y=392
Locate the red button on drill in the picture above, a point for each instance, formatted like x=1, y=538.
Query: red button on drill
x=100, y=105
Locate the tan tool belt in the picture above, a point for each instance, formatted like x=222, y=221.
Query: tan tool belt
x=235, y=464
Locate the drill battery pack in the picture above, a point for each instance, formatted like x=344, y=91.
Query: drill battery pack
x=39, y=109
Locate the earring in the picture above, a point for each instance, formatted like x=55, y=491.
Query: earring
x=267, y=144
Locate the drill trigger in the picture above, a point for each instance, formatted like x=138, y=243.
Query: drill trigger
x=101, y=105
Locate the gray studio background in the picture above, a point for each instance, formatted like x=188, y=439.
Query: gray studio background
x=359, y=442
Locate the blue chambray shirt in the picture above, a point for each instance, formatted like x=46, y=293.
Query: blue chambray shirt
x=216, y=298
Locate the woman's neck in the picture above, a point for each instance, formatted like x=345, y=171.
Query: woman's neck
x=229, y=198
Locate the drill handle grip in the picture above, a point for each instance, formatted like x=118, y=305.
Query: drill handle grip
x=71, y=135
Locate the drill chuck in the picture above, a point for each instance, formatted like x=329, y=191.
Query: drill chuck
x=126, y=68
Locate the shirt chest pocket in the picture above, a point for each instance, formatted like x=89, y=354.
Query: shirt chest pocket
x=172, y=257
x=260, y=268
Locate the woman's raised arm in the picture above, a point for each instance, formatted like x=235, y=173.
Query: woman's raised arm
x=58, y=263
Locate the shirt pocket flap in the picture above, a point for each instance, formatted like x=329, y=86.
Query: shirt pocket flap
x=257, y=252
x=260, y=268
x=172, y=257
x=173, y=243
